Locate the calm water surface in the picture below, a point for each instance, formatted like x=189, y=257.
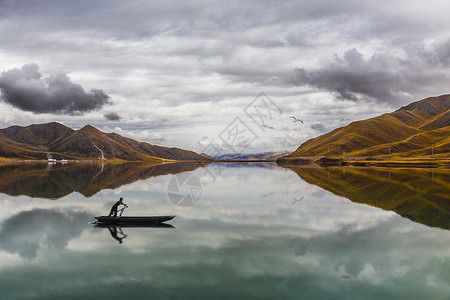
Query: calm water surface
x=242, y=231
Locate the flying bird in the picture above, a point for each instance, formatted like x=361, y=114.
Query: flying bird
x=296, y=120
x=297, y=200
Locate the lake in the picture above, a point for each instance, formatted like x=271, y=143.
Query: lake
x=241, y=231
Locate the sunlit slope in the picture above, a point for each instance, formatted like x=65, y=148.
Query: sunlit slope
x=419, y=129
x=54, y=140
x=421, y=195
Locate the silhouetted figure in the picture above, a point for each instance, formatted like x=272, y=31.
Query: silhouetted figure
x=114, y=233
x=113, y=212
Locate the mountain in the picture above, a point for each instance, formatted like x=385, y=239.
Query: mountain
x=420, y=195
x=268, y=156
x=419, y=129
x=55, y=140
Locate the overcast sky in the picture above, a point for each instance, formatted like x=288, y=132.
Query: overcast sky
x=193, y=73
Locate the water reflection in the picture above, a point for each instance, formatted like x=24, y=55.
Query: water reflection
x=58, y=180
x=118, y=234
x=244, y=239
x=421, y=195
x=26, y=232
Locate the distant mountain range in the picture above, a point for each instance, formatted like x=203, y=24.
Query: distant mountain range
x=419, y=129
x=57, y=141
x=267, y=156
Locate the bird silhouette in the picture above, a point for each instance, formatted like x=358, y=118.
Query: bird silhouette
x=296, y=120
x=297, y=200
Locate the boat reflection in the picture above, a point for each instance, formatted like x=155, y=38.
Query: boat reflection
x=119, y=235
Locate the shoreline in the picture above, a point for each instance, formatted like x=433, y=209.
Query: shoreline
x=324, y=161
x=98, y=161
x=321, y=161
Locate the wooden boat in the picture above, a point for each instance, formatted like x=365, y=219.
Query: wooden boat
x=133, y=225
x=132, y=220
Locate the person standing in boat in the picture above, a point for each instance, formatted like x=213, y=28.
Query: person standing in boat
x=113, y=212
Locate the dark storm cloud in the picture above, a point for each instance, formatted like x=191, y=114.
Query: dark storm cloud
x=382, y=77
x=319, y=127
x=112, y=116
x=25, y=89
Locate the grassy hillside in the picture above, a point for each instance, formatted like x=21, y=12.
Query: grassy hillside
x=419, y=129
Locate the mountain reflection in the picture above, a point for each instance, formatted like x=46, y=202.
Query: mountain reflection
x=420, y=195
x=53, y=181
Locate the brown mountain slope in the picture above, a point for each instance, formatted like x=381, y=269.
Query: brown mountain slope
x=59, y=141
x=37, y=135
x=92, y=143
x=420, y=195
x=418, y=129
x=30, y=141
